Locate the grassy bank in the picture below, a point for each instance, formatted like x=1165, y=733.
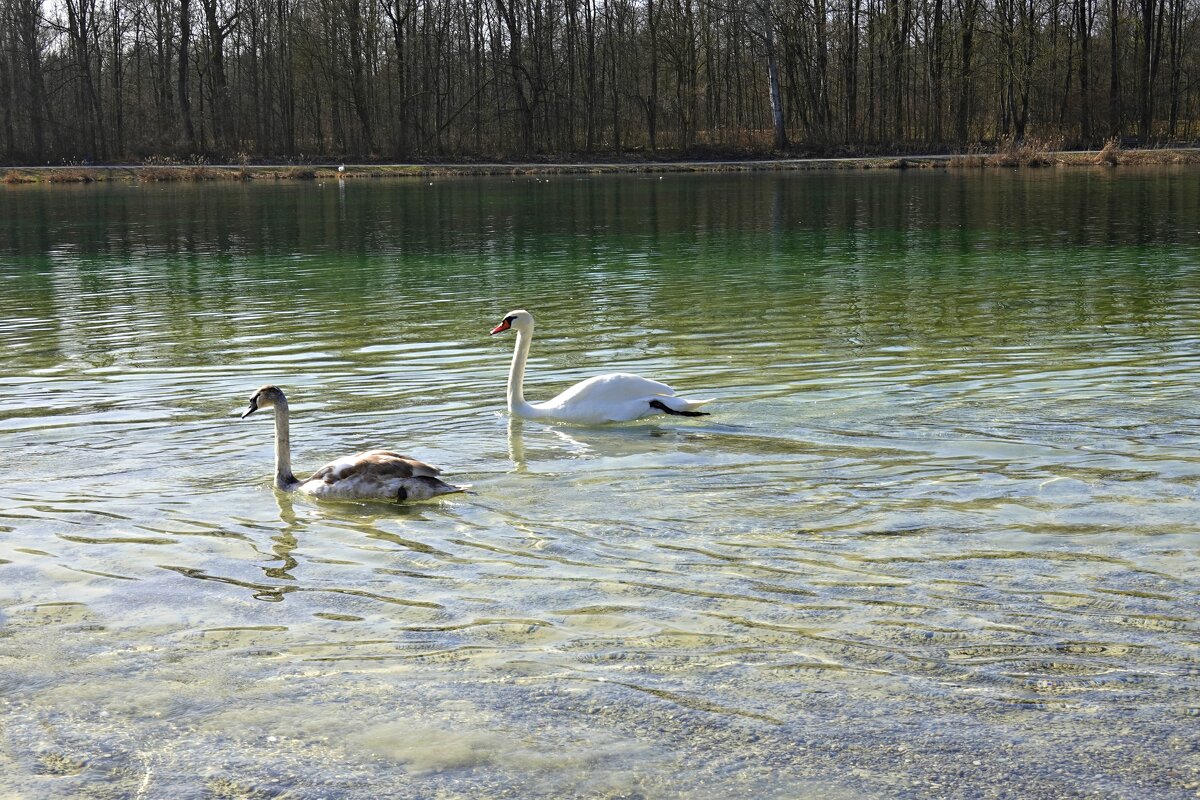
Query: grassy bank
x=1026, y=155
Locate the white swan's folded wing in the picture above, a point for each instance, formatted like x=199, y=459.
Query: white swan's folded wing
x=617, y=387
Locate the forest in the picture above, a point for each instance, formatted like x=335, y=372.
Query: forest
x=104, y=81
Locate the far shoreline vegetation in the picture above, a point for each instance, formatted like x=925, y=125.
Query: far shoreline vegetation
x=302, y=82
x=1012, y=155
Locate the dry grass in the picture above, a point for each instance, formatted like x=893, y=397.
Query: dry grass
x=905, y=163
x=1011, y=154
x=71, y=175
x=1144, y=157
x=1112, y=155
x=1041, y=153
x=158, y=174
x=1109, y=154
x=190, y=173
x=1030, y=152
x=968, y=160
x=160, y=169
x=13, y=177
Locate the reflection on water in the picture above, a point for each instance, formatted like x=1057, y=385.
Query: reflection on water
x=937, y=539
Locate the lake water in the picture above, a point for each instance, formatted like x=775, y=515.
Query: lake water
x=937, y=539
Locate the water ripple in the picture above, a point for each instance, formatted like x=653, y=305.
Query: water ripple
x=945, y=505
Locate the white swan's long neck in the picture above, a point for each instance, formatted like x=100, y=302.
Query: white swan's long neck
x=284, y=479
x=516, y=377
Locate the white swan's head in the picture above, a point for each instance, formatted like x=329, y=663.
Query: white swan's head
x=520, y=320
x=267, y=396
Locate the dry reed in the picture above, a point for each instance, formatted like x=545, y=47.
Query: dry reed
x=12, y=177
x=1109, y=153
x=71, y=175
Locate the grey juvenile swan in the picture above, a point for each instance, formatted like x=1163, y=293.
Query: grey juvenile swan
x=373, y=475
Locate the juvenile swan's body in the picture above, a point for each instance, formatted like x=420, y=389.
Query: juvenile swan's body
x=373, y=475
x=617, y=397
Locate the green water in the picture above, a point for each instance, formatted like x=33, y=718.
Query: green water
x=937, y=539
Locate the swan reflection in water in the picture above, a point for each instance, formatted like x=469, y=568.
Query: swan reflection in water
x=298, y=516
x=557, y=442
x=284, y=543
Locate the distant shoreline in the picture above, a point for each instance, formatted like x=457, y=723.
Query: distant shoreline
x=172, y=173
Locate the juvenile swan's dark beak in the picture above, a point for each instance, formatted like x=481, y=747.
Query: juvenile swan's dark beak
x=503, y=326
x=253, y=407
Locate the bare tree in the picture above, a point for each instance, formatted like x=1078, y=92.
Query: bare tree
x=430, y=78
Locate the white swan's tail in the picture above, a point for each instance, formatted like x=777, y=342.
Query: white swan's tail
x=680, y=406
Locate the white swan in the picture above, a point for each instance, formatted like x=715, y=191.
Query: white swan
x=617, y=397
x=373, y=475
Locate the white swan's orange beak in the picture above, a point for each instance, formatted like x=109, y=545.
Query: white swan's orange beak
x=503, y=326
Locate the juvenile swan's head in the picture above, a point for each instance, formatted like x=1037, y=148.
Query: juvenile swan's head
x=520, y=320
x=266, y=397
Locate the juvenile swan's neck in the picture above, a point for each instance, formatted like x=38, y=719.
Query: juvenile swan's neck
x=284, y=479
x=516, y=377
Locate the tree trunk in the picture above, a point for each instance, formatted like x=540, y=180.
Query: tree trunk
x=1145, y=63
x=218, y=29
x=935, y=73
x=8, y=101
x=185, y=102
x=652, y=101
x=1084, y=28
x=589, y=21
x=851, y=77
x=28, y=13
x=1176, y=48
x=821, y=113
x=358, y=89
x=966, y=88
x=612, y=65
x=116, y=67
x=517, y=71
x=1114, y=76
x=768, y=20
x=80, y=23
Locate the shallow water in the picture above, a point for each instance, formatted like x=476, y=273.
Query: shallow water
x=938, y=537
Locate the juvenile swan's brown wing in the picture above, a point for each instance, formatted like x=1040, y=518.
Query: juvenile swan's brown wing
x=419, y=468
x=377, y=475
x=378, y=465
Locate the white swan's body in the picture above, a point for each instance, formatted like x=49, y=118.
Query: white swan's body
x=618, y=397
x=371, y=475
